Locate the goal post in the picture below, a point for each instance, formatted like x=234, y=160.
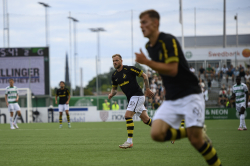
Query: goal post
x=24, y=95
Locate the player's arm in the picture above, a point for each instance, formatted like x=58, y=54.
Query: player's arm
x=17, y=97
x=6, y=100
x=113, y=92
x=68, y=97
x=56, y=97
x=148, y=92
x=247, y=98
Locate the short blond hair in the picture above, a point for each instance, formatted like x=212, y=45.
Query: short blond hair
x=117, y=55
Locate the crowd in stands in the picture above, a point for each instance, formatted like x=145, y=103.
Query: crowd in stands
x=206, y=78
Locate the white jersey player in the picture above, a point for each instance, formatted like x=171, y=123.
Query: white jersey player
x=240, y=94
x=11, y=99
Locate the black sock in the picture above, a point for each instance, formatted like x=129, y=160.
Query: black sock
x=173, y=134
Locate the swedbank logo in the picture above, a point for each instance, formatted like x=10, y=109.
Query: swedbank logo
x=246, y=53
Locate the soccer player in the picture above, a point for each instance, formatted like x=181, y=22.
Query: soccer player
x=125, y=77
x=64, y=97
x=183, y=99
x=11, y=99
x=240, y=94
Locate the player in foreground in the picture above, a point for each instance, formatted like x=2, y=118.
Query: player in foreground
x=11, y=99
x=183, y=99
x=125, y=77
x=64, y=97
x=240, y=94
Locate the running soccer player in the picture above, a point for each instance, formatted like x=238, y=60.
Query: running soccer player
x=183, y=99
x=240, y=94
x=64, y=97
x=125, y=77
x=11, y=99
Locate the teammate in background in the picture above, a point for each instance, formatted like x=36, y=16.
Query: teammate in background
x=11, y=99
x=125, y=77
x=64, y=97
x=183, y=99
x=240, y=94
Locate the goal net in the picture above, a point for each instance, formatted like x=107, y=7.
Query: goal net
x=25, y=102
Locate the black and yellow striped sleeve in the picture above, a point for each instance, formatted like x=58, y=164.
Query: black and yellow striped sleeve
x=170, y=50
x=136, y=71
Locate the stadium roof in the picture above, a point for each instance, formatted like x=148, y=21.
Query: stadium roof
x=215, y=41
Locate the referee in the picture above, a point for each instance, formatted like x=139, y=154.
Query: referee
x=64, y=97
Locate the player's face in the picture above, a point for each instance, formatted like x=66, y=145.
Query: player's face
x=148, y=25
x=11, y=82
x=62, y=85
x=117, y=62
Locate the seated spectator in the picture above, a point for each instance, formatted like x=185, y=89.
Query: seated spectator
x=236, y=72
x=115, y=106
x=242, y=74
x=232, y=68
x=153, y=86
x=149, y=74
x=241, y=67
x=202, y=84
x=210, y=71
x=229, y=88
x=247, y=77
x=201, y=71
x=222, y=98
x=248, y=68
x=229, y=94
x=224, y=69
x=192, y=69
x=209, y=84
x=159, y=81
x=230, y=74
x=218, y=72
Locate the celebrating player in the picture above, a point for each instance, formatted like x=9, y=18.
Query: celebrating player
x=240, y=94
x=11, y=99
x=125, y=77
x=64, y=97
x=183, y=99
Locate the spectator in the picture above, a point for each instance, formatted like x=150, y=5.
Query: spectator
x=229, y=94
x=209, y=71
x=236, y=72
x=159, y=80
x=230, y=74
x=205, y=94
x=229, y=88
x=222, y=98
x=115, y=106
x=106, y=106
x=248, y=69
x=247, y=77
x=224, y=69
x=201, y=71
x=156, y=104
x=149, y=74
x=241, y=67
x=209, y=84
x=153, y=86
x=192, y=69
x=218, y=72
x=232, y=68
x=242, y=74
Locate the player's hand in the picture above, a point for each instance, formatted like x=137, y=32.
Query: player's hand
x=16, y=99
x=67, y=102
x=56, y=101
x=141, y=58
x=7, y=104
x=110, y=96
x=149, y=93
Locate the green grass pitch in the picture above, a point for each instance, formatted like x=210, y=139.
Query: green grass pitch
x=40, y=144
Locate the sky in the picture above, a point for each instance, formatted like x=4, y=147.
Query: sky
x=27, y=28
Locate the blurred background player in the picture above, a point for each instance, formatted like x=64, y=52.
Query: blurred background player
x=11, y=99
x=64, y=97
x=240, y=94
x=183, y=98
x=125, y=77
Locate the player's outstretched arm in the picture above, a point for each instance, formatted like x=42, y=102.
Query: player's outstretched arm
x=113, y=92
x=247, y=98
x=148, y=92
x=170, y=69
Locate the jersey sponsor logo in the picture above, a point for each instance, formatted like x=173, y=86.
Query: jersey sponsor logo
x=124, y=83
x=124, y=76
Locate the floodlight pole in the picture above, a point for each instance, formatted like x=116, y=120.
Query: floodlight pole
x=46, y=22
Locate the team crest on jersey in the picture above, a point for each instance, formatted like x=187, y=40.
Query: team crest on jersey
x=124, y=76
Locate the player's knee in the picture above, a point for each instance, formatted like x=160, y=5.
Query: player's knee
x=197, y=142
x=157, y=136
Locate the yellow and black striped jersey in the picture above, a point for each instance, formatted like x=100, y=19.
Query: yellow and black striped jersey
x=126, y=79
x=63, y=95
x=167, y=50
